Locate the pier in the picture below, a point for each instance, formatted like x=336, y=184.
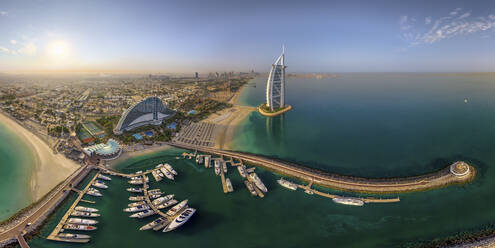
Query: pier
x=331, y=196
x=441, y=178
x=54, y=234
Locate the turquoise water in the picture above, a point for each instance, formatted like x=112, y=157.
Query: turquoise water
x=16, y=165
x=359, y=124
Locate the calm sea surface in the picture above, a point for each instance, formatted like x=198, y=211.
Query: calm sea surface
x=373, y=125
x=16, y=165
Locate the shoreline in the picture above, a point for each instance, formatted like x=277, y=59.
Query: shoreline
x=48, y=169
x=127, y=154
x=228, y=120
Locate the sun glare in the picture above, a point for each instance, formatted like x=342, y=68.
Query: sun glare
x=58, y=49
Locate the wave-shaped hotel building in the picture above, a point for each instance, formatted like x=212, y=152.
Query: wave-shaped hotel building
x=150, y=111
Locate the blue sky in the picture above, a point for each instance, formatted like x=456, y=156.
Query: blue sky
x=187, y=36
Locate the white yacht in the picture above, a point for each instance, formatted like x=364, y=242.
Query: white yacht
x=171, y=169
x=162, y=199
x=174, y=210
x=81, y=221
x=257, y=181
x=287, y=184
x=180, y=220
x=85, y=209
x=348, y=201
x=154, y=223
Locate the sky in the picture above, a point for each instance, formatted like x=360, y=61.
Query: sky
x=205, y=36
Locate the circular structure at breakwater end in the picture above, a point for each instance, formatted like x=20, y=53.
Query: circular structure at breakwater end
x=459, y=169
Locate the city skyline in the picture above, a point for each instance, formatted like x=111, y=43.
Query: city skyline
x=168, y=37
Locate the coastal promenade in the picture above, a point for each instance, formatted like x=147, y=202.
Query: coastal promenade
x=40, y=211
x=437, y=179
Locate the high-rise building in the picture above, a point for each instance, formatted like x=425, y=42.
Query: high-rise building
x=196, y=75
x=275, y=85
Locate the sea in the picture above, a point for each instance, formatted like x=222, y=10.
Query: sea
x=360, y=124
x=16, y=168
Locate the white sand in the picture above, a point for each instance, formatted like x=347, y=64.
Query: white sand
x=49, y=169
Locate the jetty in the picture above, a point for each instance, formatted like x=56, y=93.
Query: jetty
x=308, y=188
x=54, y=234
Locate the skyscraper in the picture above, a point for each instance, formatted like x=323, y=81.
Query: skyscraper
x=275, y=85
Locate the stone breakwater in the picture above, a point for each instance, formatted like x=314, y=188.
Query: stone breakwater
x=456, y=173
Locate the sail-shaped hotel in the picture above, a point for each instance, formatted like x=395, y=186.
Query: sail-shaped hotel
x=275, y=89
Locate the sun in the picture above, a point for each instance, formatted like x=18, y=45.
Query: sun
x=59, y=49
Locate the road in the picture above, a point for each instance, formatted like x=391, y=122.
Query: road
x=38, y=214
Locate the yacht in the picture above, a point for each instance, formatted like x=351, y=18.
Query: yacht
x=100, y=184
x=348, y=201
x=242, y=171
x=162, y=199
x=229, y=185
x=250, y=187
x=85, y=209
x=180, y=220
x=136, y=198
x=136, y=182
x=84, y=214
x=135, y=190
x=171, y=169
x=224, y=167
x=287, y=184
x=73, y=236
x=143, y=214
x=167, y=173
x=135, y=204
x=157, y=177
x=79, y=227
x=81, y=221
x=93, y=192
x=174, y=210
x=154, y=223
x=167, y=204
x=137, y=209
x=217, y=167
x=101, y=176
x=257, y=181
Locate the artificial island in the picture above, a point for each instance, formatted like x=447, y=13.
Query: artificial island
x=275, y=90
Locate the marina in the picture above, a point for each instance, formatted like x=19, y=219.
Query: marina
x=76, y=223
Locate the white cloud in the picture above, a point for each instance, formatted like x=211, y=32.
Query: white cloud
x=465, y=15
x=13, y=42
x=445, y=28
x=4, y=13
x=28, y=49
x=455, y=11
x=427, y=20
x=406, y=23
x=4, y=49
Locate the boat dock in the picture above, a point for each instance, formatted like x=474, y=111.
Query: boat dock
x=54, y=234
x=224, y=184
x=331, y=196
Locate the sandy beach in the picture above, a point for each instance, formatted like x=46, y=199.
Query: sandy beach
x=49, y=169
x=226, y=122
x=129, y=152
